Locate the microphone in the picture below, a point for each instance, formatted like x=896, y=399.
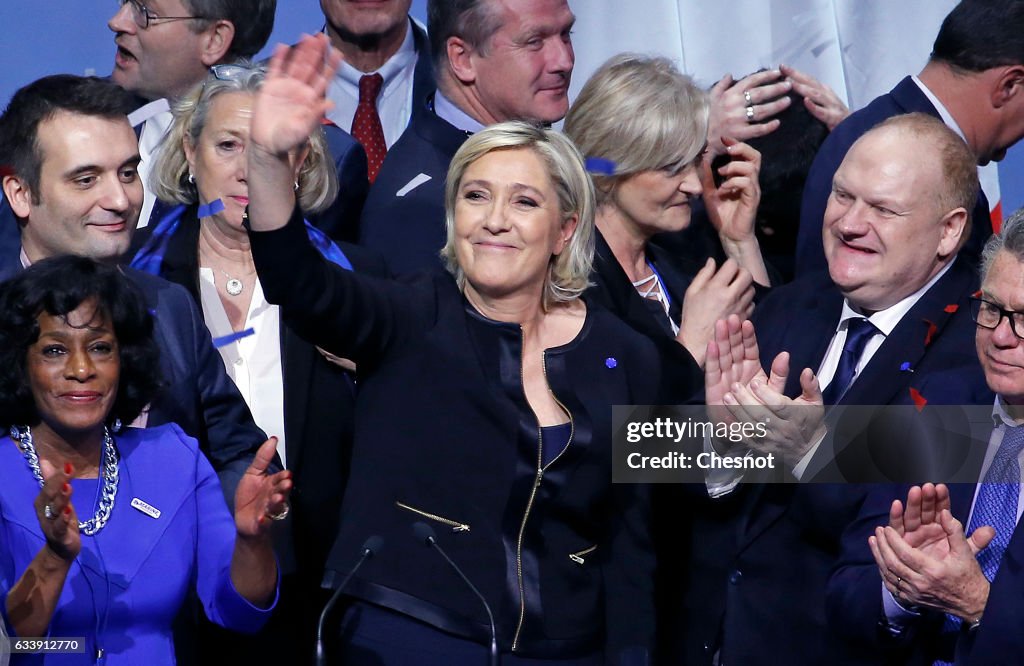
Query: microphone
x=371, y=547
x=425, y=533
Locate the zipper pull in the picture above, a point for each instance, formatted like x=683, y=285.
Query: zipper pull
x=576, y=558
x=462, y=527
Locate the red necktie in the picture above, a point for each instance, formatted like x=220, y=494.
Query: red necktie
x=366, y=127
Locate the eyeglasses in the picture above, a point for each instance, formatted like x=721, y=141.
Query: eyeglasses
x=143, y=15
x=989, y=315
x=230, y=72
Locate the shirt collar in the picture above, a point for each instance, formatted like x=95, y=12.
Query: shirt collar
x=446, y=110
x=887, y=319
x=944, y=113
x=391, y=68
x=150, y=110
x=1000, y=416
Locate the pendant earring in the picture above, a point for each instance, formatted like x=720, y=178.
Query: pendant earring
x=191, y=179
x=296, y=186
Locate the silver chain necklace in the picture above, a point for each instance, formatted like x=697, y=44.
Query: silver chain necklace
x=108, y=465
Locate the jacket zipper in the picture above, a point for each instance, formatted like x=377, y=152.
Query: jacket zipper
x=455, y=525
x=577, y=557
x=536, y=483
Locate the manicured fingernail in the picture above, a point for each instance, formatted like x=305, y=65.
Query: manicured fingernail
x=67, y=511
x=68, y=468
x=65, y=488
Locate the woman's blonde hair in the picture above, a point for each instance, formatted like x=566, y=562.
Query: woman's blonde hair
x=569, y=271
x=638, y=113
x=318, y=182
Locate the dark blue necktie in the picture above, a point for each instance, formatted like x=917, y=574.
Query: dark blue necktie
x=858, y=332
x=996, y=505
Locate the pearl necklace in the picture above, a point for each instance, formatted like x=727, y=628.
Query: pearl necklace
x=108, y=463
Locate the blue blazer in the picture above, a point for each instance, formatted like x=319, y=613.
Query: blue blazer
x=760, y=560
x=131, y=578
x=904, y=98
x=402, y=221
x=197, y=393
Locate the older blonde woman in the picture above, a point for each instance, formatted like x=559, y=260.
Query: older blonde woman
x=294, y=392
x=485, y=410
x=644, y=126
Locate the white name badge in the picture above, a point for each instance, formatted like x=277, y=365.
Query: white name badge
x=145, y=508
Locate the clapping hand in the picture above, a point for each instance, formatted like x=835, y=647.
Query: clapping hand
x=261, y=497
x=794, y=425
x=713, y=295
x=732, y=360
x=57, y=516
x=925, y=559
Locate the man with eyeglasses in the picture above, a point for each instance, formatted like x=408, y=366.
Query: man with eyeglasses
x=939, y=571
x=164, y=47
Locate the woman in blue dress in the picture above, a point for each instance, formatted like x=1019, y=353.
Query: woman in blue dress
x=104, y=530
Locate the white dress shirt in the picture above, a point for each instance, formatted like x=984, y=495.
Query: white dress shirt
x=155, y=119
x=394, y=103
x=254, y=361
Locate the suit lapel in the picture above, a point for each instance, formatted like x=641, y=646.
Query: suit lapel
x=620, y=290
x=297, y=359
x=810, y=336
x=423, y=75
x=136, y=532
x=883, y=379
x=910, y=98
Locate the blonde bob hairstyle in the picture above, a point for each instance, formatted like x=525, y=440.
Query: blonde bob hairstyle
x=318, y=182
x=640, y=113
x=569, y=271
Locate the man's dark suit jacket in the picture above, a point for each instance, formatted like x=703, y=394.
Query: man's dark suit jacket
x=904, y=98
x=197, y=394
x=855, y=591
x=754, y=587
x=408, y=230
x=340, y=220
